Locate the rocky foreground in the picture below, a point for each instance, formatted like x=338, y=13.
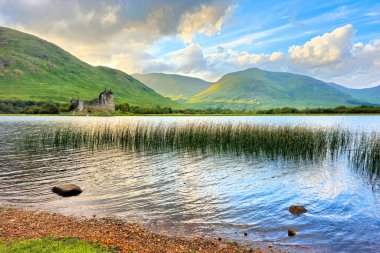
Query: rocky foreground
x=16, y=223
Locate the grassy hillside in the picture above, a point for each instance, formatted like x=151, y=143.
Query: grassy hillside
x=34, y=69
x=369, y=95
x=255, y=88
x=173, y=86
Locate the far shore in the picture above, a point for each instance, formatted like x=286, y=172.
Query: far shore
x=17, y=223
x=200, y=115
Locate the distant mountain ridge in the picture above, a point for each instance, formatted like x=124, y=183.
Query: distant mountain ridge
x=277, y=89
x=172, y=85
x=369, y=95
x=255, y=88
x=37, y=70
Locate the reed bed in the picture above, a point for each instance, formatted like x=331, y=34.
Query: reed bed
x=253, y=139
x=365, y=153
x=258, y=140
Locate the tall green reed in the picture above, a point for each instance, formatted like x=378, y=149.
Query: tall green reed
x=273, y=141
x=365, y=153
x=259, y=140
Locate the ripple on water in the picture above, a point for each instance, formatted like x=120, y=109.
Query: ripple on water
x=212, y=195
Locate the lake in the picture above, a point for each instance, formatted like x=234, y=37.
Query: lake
x=192, y=194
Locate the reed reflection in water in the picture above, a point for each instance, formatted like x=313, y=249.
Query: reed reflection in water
x=257, y=140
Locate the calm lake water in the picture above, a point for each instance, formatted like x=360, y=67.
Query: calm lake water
x=193, y=194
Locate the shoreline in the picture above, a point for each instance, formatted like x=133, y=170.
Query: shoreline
x=18, y=223
x=197, y=115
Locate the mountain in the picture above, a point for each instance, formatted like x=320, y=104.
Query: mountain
x=173, y=86
x=34, y=69
x=255, y=88
x=368, y=95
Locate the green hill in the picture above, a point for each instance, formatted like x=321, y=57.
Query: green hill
x=37, y=70
x=255, y=88
x=173, y=86
x=368, y=95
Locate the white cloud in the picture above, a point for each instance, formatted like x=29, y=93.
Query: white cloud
x=120, y=33
x=191, y=59
x=361, y=69
x=110, y=16
x=324, y=50
x=114, y=32
x=330, y=57
x=276, y=56
x=245, y=59
x=208, y=19
x=334, y=57
x=187, y=61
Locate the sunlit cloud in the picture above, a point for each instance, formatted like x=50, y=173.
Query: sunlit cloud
x=331, y=57
x=209, y=38
x=323, y=50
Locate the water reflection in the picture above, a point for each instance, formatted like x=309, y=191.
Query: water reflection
x=212, y=195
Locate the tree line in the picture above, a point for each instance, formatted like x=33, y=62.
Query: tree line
x=336, y=110
x=40, y=107
x=364, y=109
x=32, y=107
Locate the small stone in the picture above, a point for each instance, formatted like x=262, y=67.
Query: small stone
x=67, y=190
x=297, y=210
x=245, y=234
x=270, y=246
x=292, y=232
x=219, y=238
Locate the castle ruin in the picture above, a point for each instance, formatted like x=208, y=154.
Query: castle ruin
x=105, y=102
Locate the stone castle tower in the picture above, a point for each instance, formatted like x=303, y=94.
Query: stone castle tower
x=105, y=102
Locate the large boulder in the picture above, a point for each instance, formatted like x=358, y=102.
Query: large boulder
x=297, y=210
x=67, y=190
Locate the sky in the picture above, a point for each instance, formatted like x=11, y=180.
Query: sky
x=335, y=41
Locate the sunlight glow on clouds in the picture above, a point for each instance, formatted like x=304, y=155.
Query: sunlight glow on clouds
x=111, y=15
x=209, y=38
x=330, y=57
x=334, y=57
x=325, y=49
x=207, y=20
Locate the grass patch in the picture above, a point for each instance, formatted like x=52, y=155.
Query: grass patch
x=54, y=245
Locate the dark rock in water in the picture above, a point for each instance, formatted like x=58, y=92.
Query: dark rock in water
x=67, y=190
x=291, y=232
x=297, y=210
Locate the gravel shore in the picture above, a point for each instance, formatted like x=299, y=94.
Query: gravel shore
x=16, y=223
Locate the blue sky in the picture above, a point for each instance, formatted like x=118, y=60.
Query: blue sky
x=336, y=40
x=279, y=24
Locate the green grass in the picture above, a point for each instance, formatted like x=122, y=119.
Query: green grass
x=53, y=245
x=32, y=69
x=256, y=140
